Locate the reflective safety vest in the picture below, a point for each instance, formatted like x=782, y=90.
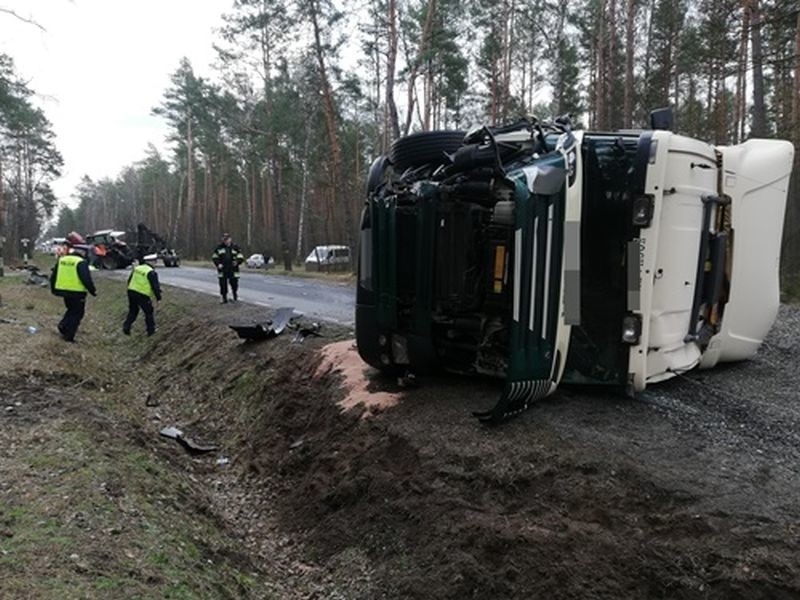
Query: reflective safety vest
x=67, y=279
x=139, y=281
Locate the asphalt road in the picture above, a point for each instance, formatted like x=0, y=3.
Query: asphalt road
x=313, y=298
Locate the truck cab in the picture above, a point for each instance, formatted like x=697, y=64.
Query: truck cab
x=544, y=256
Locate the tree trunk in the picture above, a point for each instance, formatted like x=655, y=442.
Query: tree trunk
x=600, y=82
x=2, y=218
x=301, y=219
x=507, y=54
x=415, y=61
x=178, y=210
x=741, y=78
x=759, y=108
x=190, y=189
x=330, y=120
x=249, y=215
x=391, y=67
x=279, y=214
x=796, y=95
x=722, y=130
x=611, y=81
x=427, y=94
x=627, y=117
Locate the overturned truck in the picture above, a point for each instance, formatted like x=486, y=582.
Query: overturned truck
x=543, y=255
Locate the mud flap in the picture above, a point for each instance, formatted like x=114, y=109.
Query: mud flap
x=516, y=398
x=538, y=259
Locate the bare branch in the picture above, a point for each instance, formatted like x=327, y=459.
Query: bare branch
x=29, y=20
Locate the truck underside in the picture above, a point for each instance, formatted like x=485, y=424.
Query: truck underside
x=533, y=253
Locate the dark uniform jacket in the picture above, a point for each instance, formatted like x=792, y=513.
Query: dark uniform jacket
x=230, y=257
x=83, y=274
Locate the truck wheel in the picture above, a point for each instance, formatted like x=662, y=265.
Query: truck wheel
x=424, y=148
x=376, y=171
x=109, y=262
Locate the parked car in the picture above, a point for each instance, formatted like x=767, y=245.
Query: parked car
x=544, y=255
x=55, y=246
x=258, y=261
x=328, y=258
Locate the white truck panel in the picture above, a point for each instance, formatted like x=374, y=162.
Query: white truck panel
x=756, y=177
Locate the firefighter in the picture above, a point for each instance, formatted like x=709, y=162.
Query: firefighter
x=72, y=280
x=227, y=257
x=143, y=286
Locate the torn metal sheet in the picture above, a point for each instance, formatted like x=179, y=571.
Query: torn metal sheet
x=191, y=446
x=266, y=330
x=303, y=331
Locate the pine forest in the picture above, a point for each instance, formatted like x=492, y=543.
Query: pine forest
x=275, y=146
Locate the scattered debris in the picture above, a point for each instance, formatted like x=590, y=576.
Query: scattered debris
x=36, y=277
x=296, y=444
x=32, y=329
x=407, y=380
x=8, y=321
x=267, y=330
x=223, y=460
x=191, y=446
x=150, y=401
x=301, y=332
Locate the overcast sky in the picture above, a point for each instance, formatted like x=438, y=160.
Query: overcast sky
x=99, y=68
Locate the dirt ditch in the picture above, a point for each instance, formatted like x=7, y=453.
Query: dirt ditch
x=689, y=491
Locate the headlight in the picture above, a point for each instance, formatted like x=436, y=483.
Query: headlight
x=631, y=329
x=643, y=211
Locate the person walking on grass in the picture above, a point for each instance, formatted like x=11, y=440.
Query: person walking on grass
x=227, y=257
x=71, y=279
x=143, y=286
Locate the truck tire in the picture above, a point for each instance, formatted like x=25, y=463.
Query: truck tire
x=424, y=148
x=109, y=262
x=375, y=176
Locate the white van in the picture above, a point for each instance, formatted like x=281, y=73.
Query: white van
x=56, y=245
x=328, y=258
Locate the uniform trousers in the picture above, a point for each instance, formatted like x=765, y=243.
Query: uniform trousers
x=137, y=301
x=224, y=278
x=76, y=307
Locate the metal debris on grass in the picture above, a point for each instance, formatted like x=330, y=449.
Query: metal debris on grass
x=191, y=446
x=265, y=330
x=302, y=332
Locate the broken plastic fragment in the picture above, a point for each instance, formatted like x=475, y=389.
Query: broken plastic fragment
x=191, y=446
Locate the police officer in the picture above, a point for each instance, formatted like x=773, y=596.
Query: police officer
x=143, y=286
x=72, y=280
x=227, y=257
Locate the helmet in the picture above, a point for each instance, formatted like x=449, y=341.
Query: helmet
x=74, y=238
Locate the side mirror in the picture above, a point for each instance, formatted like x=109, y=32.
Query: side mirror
x=661, y=118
